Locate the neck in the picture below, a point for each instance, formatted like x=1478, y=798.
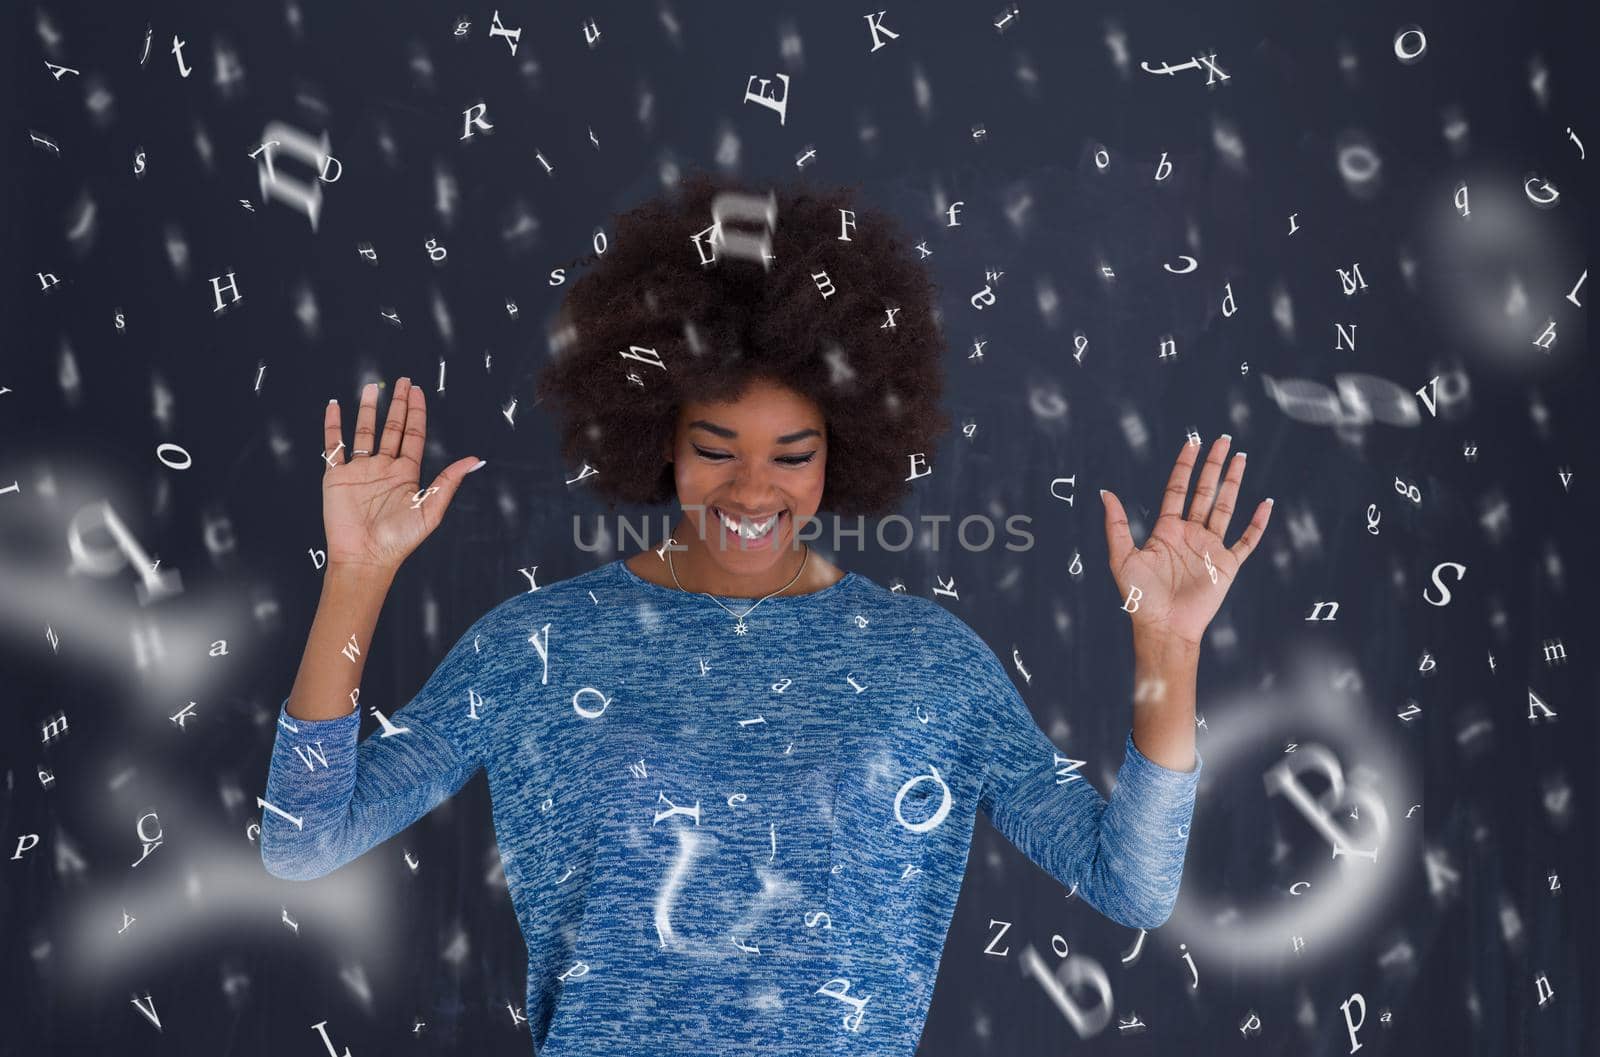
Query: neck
x=697, y=571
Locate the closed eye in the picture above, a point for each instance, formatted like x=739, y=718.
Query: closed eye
x=787, y=460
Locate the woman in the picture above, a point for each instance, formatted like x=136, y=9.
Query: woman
x=734, y=785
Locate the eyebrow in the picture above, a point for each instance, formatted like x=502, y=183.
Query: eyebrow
x=723, y=431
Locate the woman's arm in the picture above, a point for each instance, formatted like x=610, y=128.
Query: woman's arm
x=374, y=516
x=320, y=808
x=336, y=649
x=1171, y=588
x=1164, y=671
x=1123, y=856
x=329, y=798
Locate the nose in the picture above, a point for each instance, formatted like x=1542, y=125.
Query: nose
x=751, y=490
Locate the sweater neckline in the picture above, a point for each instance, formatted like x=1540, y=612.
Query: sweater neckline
x=832, y=590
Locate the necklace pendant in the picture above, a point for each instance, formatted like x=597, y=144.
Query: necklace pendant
x=739, y=628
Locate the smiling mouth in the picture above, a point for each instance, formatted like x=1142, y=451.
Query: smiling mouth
x=744, y=528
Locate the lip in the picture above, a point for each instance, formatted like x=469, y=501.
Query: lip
x=746, y=544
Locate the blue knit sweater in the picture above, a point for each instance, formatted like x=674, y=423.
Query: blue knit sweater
x=729, y=843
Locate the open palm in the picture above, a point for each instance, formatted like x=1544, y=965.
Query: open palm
x=373, y=512
x=1179, y=577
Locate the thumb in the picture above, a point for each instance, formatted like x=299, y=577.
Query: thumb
x=448, y=481
x=1119, y=541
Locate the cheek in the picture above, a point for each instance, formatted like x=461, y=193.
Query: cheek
x=693, y=480
x=811, y=488
x=698, y=483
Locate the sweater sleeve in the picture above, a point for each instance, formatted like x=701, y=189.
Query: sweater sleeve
x=329, y=799
x=1124, y=855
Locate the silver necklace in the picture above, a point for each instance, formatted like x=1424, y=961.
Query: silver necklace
x=740, y=628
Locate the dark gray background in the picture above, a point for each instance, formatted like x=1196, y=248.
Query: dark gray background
x=1506, y=803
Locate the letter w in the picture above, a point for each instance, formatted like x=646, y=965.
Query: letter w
x=306, y=756
x=1068, y=773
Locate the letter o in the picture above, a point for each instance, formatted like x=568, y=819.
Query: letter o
x=910, y=529
x=1046, y=404
x=1098, y=155
x=1409, y=57
x=961, y=531
x=1358, y=163
x=585, y=713
x=933, y=820
x=161, y=453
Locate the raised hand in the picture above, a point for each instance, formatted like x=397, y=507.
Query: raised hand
x=373, y=513
x=1179, y=577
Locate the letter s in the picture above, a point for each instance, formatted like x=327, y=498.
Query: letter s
x=1444, y=592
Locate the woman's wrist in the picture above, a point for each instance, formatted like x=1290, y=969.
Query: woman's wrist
x=358, y=577
x=1156, y=648
x=1165, y=667
x=1164, y=674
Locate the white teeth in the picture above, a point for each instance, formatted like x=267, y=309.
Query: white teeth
x=749, y=529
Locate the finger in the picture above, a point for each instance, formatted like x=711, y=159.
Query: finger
x=1178, y=482
x=1206, y=491
x=332, y=436
x=416, y=426
x=1119, y=541
x=1227, y=496
x=1252, y=532
x=447, y=482
x=366, y=419
x=395, y=423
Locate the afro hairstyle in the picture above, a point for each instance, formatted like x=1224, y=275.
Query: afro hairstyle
x=666, y=315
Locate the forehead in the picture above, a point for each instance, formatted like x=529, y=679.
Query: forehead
x=763, y=407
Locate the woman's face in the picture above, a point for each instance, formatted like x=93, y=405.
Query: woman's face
x=763, y=454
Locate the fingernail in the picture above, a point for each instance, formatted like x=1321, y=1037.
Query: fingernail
x=481, y=464
x=333, y=400
x=1269, y=500
x=1102, y=493
x=1238, y=454
x=1227, y=436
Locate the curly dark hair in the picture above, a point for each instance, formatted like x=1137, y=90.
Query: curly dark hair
x=718, y=326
